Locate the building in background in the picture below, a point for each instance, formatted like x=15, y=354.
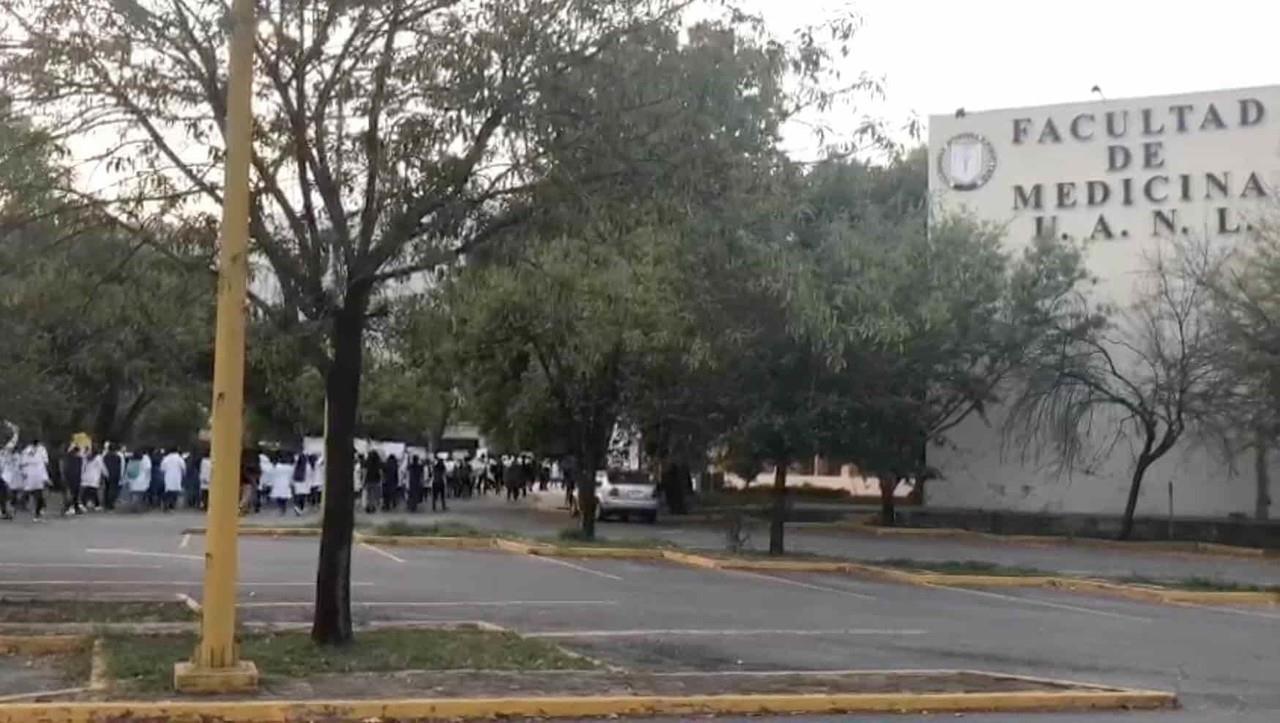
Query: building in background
x=1125, y=176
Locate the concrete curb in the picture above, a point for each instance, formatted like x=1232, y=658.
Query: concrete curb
x=264, y=531
x=457, y=543
x=42, y=644
x=210, y=711
x=871, y=572
x=1175, y=548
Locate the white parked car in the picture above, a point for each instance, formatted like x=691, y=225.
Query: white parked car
x=626, y=494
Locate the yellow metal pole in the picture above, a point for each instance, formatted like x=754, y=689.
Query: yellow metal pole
x=216, y=666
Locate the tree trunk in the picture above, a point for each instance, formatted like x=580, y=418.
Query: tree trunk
x=778, y=516
x=675, y=480
x=1262, y=502
x=1126, y=525
x=888, y=516
x=332, y=622
x=587, y=500
x=108, y=406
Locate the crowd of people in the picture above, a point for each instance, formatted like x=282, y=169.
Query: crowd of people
x=112, y=477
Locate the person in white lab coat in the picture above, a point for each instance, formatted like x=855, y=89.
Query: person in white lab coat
x=172, y=468
x=315, y=478
x=206, y=474
x=137, y=479
x=34, y=466
x=92, y=473
x=281, y=481
x=10, y=482
x=300, y=481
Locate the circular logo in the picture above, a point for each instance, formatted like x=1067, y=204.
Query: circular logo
x=967, y=161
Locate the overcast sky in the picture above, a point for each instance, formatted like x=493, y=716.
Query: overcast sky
x=939, y=55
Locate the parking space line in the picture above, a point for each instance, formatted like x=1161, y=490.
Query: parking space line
x=140, y=553
x=437, y=604
x=805, y=585
x=571, y=566
x=159, y=583
x=1234, y=611
x=78, y=566
x=381, y=551
x=1044, y=603
x=186, y=540
x=731, y=632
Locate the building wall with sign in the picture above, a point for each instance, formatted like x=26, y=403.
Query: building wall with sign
x=1126, y=176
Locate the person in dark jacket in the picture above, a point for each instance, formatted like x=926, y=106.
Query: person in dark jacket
x=114, y=465
x=390, y=483
x=155, y=493
x=416, y=472
x=72, y=469
x=372, y=480
x=439, y=474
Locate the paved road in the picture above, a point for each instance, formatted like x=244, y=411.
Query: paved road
x=1225, y=663
x=495, y=514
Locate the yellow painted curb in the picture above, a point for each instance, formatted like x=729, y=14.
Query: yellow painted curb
x=42, y=644
x=1172, y=547
x=265, y=531
x=614, y=553
x=740, y=563
x=209, y=711
x=520, y=548
x=685, y=558
x=456, y=543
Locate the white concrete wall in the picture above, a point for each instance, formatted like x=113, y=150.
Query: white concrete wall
x=980, y=470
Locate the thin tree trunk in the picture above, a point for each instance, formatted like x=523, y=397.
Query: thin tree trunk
x=888, y=515
x=108, y=406
x=675, y=479
x=1262, y=502
x=1135, y=484
x=778, y=516
x=587, y=500
x=332, y=622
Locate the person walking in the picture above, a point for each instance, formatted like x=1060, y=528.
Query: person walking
x=33, y=465
x=372, y=481
x=113, y=463
x=72, y=465
x=155, y=490
x=172, y=470
x=301, y=483
x=280, y=475
x=91, y=478
x=315, y=479
x=137, y=479
x=191, y=479
x=390, y=483
x=438, y=472
x=10, y=482
x=206, y=474
x=416, y=471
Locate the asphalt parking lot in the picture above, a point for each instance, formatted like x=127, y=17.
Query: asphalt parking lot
x=1225, y=663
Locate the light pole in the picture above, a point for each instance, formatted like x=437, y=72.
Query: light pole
x=216, y=666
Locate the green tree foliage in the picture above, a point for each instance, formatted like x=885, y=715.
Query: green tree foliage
x=100, y=333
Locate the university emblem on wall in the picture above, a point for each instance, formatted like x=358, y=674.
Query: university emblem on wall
x=967, y=161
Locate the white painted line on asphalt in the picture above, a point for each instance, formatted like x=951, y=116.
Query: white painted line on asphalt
x=140, y=553
x=1235, y=611
x=1044, y=603
x=157, y=583
x=435, y=604
x=579, y=568
x=669, y=632
x=79, y=566
x=186, y=539
x=805, y=585
x=381, y=551
x=189, y=601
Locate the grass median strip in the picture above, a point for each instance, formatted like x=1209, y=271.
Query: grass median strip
x=144, y=663
x=961, y=567
x=400, y=528
x=1198, y=584
x=31, y=610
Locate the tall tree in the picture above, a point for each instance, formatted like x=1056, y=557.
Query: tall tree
x=1141, y=375
x=391, y=137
